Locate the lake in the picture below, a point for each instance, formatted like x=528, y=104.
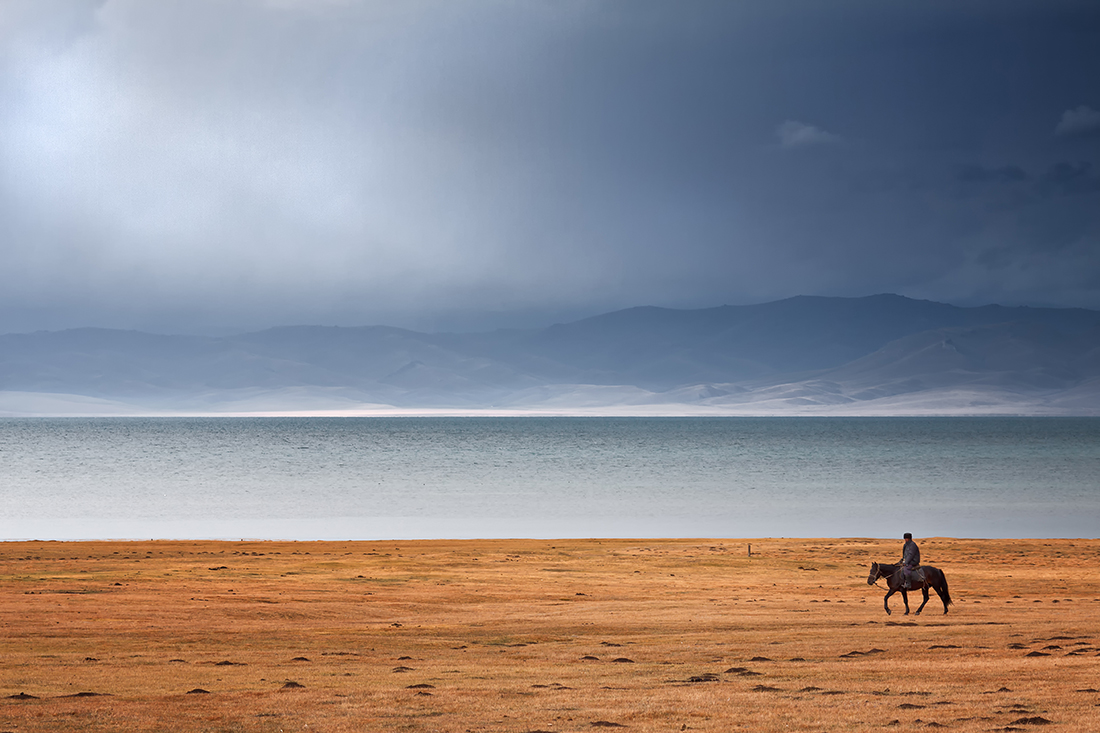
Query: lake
x=472, y=477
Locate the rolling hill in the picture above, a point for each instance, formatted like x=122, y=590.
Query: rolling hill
x=882, y=354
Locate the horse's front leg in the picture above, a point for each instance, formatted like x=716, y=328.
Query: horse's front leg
x=925, y=591
x=886, y=600
x=905, y=598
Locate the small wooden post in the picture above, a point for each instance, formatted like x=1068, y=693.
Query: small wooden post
x=750, y=549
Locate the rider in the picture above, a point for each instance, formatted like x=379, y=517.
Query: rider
x=910, y=560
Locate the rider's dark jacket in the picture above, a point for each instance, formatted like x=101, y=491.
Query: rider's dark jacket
x=910, y=554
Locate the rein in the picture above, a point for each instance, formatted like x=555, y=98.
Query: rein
x=880, y=576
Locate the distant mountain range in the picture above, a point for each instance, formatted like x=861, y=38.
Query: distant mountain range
x=882, y=354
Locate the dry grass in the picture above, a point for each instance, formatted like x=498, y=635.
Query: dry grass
x=524, y=636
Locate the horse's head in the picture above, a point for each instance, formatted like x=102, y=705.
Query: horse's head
x=874, y=574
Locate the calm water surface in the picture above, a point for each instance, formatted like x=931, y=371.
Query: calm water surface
x=365, y=478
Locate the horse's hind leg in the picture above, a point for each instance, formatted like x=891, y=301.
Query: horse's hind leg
x=925, y=591
x=938, y=593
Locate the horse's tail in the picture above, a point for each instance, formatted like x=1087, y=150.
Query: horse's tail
x=942, y=588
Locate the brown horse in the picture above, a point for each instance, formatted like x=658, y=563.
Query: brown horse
x=924, y=578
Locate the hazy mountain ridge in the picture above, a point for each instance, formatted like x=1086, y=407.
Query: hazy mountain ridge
x=804, y=354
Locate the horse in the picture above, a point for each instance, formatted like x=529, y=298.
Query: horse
x=924, y=577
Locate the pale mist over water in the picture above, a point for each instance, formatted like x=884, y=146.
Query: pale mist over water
x=407, y=478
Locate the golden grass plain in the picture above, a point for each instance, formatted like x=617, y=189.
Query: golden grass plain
x=523, y=635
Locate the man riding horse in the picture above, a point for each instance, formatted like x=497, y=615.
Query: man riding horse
x=908, y=575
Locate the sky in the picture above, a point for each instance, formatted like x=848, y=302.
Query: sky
x=208, y=166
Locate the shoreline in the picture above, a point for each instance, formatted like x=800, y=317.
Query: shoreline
x=435, y=540
x=245, y=538
x=968, y=404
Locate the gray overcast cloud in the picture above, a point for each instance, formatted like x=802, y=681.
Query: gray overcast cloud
x=204, y=165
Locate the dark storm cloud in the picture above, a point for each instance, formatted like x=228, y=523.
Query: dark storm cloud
x=190, y=165
x=1070, y=179
x=1002, y=174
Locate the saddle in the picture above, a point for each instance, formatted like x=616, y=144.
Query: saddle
x=911, y=578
